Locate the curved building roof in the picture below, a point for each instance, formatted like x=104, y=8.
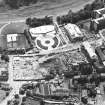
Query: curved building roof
x=42, y=30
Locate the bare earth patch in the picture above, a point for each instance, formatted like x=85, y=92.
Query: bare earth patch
x=26, y=68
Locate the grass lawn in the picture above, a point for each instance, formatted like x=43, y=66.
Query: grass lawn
x=14, y=28
x=2, y=95
x=45, y=7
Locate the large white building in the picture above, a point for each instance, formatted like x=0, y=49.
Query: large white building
x=74, y=33
x=89, y=50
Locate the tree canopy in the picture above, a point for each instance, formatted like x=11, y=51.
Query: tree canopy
x=80, y=15
x=35, y=22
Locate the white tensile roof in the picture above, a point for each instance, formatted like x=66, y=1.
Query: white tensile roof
x=42, y=29
x=11, y=37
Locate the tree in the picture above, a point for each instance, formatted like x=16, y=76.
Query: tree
x=22, y=91
x=28, y=21
x=23, y=103
x=16, y=102
x=76, y=17
x=29, y=93
x=97, y=5
x=23, y=99
x=92, y=93
x=88, y=7
x=70, y=74
x=84, y=100
x=58, y=19
x=70, y=15
x=85, y=69
x=5, y=57
x=82, y=14
x=41, y=102
x=9, y=102
x=49, y=77
x=7, y=93
x=16, y=96
x=48, y=20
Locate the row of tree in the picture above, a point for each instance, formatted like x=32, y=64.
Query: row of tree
x=82, y=14
x=35, y=22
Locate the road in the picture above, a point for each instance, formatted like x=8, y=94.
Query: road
x=15, y=85
x=16, y=19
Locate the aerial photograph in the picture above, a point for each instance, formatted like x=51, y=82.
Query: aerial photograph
x=52, y=52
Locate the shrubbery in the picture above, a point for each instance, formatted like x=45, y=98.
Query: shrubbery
x=82, y=14
x=71, y=17
x=5, y=57
x=35, y=22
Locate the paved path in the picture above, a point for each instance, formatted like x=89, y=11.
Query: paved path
x=46, y=8
x=15, y=84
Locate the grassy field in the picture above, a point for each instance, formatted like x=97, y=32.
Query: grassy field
x=46, y=7
x=2, y=95
x=14, y=28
